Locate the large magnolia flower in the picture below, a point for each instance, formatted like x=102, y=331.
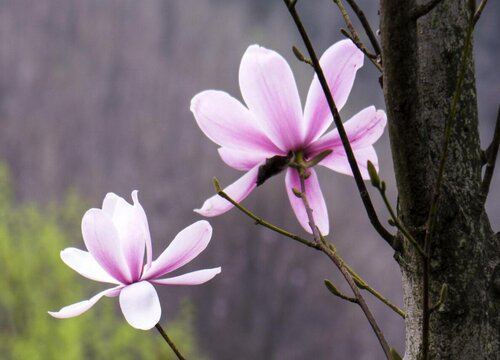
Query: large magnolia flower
x=272, y=124
x=117, y=238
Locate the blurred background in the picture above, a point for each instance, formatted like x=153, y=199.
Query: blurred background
x=94, y=97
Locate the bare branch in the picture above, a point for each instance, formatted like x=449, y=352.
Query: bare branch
x=366, y=26
x=339, y=263
x=363, y=192
x=353, y=35
x=479, y=10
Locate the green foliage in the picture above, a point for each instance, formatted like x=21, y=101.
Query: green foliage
x=35, y=280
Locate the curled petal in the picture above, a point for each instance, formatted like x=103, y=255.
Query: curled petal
x=363, y=129
x=192, y=278
x=82, y=306
x=337, y=161
x=238, y=191
x=242, y=160
x=340, y=63
x=103, y=242
x=225, y=121
x=269, y=90
x=187, y=245
x=85, y=264
x=140, y=305
x=315, y=197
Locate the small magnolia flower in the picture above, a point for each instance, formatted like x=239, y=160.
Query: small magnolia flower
x=117, y=238
x=273, y=126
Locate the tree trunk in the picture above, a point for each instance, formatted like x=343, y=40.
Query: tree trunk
x=421, y=60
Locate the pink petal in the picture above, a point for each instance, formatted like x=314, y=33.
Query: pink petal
x=337, y=161
x=142, y=214
x=187, y=245
x=238, y=191
x=340, y=63
x=131, y=224
x=225, y=121
x=85, y=264
x=103, y=242
x=315, y=197
x=192, y=278
x=363, y=129
x=82, y=306
x=269, y=90
x=140, y=305
x=243, y=160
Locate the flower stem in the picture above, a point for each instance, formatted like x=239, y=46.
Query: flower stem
x=363, y=192
x=339, y=263
x=169, y=342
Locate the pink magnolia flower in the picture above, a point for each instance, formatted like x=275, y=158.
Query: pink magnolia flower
x=273, y=124
x=117, y=238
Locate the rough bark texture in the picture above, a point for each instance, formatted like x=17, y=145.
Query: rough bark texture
x=421, y=59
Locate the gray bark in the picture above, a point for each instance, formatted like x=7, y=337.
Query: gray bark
x=421, y=59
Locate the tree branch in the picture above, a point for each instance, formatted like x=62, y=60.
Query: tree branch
x=353, y=35
x=363, y=192
x=491, y=158
x=260, y=221
x=339, y=263
x=366, y=26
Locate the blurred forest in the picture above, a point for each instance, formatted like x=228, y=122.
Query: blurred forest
x=94, y=96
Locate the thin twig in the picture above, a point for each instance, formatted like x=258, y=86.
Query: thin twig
x=359, y=281
x=354, y=37
x=260, y=221
x=340, y=265
x=363, y=192
x=479, y=10
x=333, y=289
x=366, y=26
x=491, y=158
x=424, y=9
x=397, y=222
x=169, y=342
x=364, y=286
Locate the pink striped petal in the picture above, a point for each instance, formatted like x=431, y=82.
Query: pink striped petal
x=187, y=245
x=315, y=197
x=269, y=90
x=82, y=306
x=228, y=123
x=103, y=242
x=238, y=191
x=363, y=129
x=337, y=161
x=242, y=160
x=132, y=229
x=192, y=278
x=85, y=264
x=140, y=305
x=340, y=63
